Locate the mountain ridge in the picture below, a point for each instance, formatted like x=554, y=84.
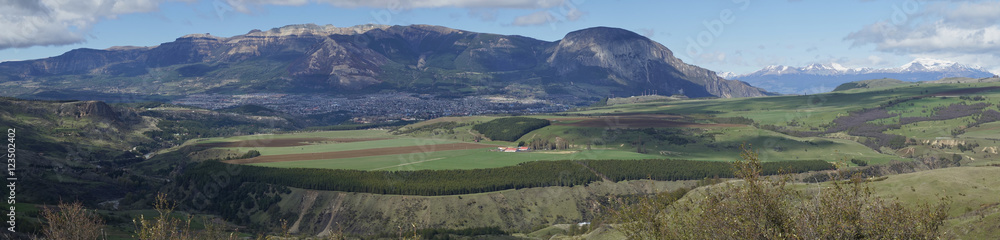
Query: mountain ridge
x=587, y=64
x=817, y=77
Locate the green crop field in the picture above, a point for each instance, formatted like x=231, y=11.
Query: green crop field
x=347, y=146
x=931, y=129
x=321, y=134
x=454, y=159
x=988, y=130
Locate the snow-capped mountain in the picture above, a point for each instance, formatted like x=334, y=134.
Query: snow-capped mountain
x=727, y=75
x=817, y=78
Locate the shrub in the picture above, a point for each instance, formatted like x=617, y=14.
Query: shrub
x=859, y=162
x=71, y=221
x=765, y=208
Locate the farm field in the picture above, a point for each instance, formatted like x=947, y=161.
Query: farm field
x=359, y=153
x=379, y=150
x=332, y=146
x=697, y=129
x=372, y=133
x=985, y=131
x=453, y=159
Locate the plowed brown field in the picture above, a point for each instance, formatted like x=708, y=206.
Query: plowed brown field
x=283, y=142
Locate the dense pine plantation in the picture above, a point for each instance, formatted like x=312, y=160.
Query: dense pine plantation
x=452, y=182
x=509, y=129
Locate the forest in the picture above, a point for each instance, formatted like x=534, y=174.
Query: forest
x=509, y=129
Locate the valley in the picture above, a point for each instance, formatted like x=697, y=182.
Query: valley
x=318, y=181
x=428, y=132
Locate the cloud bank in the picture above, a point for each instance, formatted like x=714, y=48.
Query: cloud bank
x=26, y=23
x=967, y=32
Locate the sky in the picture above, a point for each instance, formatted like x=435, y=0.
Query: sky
x=738, y=36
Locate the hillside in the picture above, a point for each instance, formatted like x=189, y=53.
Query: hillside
x=323, y=212
x=585, y=65
x=874, y=83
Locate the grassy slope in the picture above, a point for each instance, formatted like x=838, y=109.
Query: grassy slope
x=974, y=211
x=513, y=210
x=973, y=190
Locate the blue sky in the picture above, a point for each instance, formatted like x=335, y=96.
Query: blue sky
x=722, y=35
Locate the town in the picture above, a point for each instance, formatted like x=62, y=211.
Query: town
x=377, y=107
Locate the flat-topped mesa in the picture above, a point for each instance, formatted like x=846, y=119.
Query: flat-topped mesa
x=313, y=29
x=200, y=36
x=126, y=48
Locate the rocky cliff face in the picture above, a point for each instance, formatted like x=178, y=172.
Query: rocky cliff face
x=587, y=64
x=636, y=61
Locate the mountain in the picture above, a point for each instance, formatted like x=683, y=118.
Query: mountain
x=586, y=65
x=817, y=78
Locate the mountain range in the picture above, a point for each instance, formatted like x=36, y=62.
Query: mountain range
x=816, y=78
x=586, y=65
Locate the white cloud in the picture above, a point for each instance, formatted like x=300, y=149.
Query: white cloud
x=966, y=32
x=26, y=23
x=248, y=6
x=934, y=37
x=536, y=18
x=484, y=14
x=973, y=14
x=574, y=14
x=566, y=11
x=519, y=4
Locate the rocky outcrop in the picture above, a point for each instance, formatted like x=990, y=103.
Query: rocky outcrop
x=91, y=109
x=636, y=61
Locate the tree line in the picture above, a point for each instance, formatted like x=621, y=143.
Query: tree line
x=509, y=129
x=467, y=181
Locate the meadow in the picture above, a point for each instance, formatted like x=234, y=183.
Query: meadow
x=674, y=129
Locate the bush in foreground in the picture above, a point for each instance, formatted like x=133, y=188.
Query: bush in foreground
x=71, y=221
x=765, y=208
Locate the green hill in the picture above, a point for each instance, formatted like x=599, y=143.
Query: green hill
x=874, y=83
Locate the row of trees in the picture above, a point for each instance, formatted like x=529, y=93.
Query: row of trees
x=421, y=182
x=509, y=129
x=671, y=170
x=466, y=181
